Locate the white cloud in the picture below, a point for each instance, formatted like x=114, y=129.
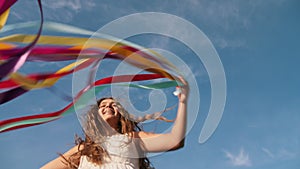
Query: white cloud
x=281, y=153
x=66, y=10
x=229, y=43
x=241, y=159
x=74, y=5
x=226, y=18
x=284, y=153
x=55, y=10
x=268, y=152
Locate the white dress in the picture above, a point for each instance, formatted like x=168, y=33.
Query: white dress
x=123, y=154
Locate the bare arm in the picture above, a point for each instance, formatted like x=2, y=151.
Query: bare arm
x=58, y=162
x=164, y=142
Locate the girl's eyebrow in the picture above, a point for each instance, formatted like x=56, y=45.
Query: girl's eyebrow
x=104, y=102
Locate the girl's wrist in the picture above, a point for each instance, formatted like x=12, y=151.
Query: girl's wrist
x=182, y=101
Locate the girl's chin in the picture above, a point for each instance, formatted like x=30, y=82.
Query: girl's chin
x=109, y=116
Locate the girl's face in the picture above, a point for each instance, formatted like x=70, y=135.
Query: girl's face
x=108, y=110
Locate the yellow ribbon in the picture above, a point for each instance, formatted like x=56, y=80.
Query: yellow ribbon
x=85, y=43
x=3, y=18
x=29, y=83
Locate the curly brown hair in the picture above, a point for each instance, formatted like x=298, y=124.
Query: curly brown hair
x=88, y=147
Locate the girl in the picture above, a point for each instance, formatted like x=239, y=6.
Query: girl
x=113, y=140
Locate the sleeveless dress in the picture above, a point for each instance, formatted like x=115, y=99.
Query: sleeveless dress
x=123, y=154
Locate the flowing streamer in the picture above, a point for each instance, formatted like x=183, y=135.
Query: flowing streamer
x=28, y=82
x=3, y=18
x=5, y=5
x=15, y=63
x=45, y=48
x=22, y=84
x=63, y=28
x=26, y=121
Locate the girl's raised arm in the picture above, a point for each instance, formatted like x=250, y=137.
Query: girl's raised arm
x=152, y=142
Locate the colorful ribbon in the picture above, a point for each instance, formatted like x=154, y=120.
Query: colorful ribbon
x=27, y=121
x=20, y=56
x=86, y=52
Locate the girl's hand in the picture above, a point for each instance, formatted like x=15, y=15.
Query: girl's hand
x=184, y=91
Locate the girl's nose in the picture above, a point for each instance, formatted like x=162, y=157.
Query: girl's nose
x=108, y=105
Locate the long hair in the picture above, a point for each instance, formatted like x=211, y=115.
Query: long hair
x=88, y=147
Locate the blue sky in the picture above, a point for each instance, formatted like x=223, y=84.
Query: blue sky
x=257, y=42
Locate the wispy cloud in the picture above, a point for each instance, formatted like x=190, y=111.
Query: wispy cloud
x=241, y=159
x=268, y=152
x=229, y=43
x=56, y=10
x=286, y=154
x=73, y=5
x=225, y=18
x=66, y=10
x=281, y=153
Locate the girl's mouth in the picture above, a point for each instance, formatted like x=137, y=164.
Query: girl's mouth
x=108, y=111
